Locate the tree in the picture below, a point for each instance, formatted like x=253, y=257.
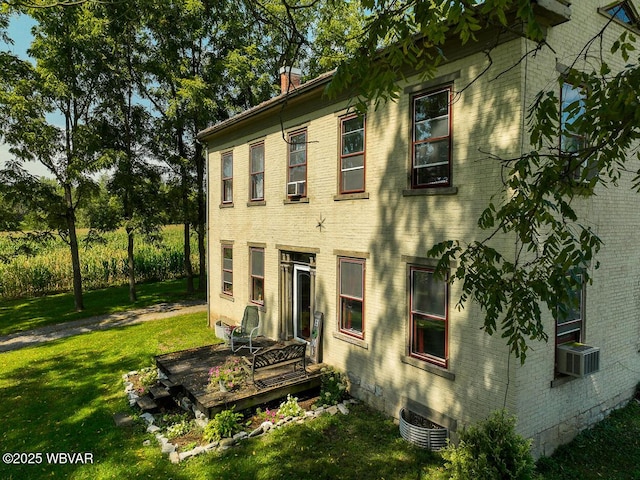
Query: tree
x=61, y=82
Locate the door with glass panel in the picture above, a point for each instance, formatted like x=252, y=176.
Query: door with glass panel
x=302, y=302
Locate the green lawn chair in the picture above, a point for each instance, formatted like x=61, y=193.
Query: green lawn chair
x=244, y=335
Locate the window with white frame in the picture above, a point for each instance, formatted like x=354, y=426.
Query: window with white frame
x=570, y=317
x=227, y=270
x=297, y=165
x=428, y=322
x=351, y=274
x=256, y=173
x=227, y=177
x=256, y=259
x=572, y=143
x=431, y=139
x=352, y=154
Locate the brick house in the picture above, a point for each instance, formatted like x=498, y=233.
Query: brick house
x=315, y=209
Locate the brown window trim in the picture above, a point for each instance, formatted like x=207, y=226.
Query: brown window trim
x=253, y=174
x=343, y=157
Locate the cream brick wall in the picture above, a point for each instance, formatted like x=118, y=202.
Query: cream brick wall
x=388, y=227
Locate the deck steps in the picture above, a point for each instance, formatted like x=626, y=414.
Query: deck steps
x=147, y=404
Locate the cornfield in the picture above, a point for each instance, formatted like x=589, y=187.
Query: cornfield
x=45, y=267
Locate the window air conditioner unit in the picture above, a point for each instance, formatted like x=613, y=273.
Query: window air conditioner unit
x=295, y=189
x=577, y=359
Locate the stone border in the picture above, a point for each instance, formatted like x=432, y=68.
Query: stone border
x=201, y=420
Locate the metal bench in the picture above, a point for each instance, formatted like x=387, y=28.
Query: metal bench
x=293, y=354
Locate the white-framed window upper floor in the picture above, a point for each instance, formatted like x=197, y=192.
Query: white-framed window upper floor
x=352, y=154
x=256, y=172
x=297, y=164
x=431, y=138
x=227, y=178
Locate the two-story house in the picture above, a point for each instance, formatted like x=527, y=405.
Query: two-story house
x=313, y=208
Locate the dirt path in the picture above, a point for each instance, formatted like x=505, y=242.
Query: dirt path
x=29, y=338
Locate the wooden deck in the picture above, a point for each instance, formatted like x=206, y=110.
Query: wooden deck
x=189, y=371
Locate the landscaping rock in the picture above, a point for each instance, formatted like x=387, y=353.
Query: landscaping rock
x=122, y=420
x=202, y=422
x=343, y=409
x=211, y=446
x=148, y=417
x=153, y=428
x=174, y=457
x=227, y=442
x=240, y=436
x=146, y=443
x=256, y=432
x=168, y=448
x=266, y=426
x=332, y=410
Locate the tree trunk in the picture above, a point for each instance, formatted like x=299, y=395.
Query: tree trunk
x=202, y=218
x=73, y=245
x=132, y=273
x=187, y=233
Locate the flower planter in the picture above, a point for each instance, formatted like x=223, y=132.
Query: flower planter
x=222, y=331
x=421, y=432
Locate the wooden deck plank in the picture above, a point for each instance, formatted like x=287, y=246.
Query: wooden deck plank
x=190, y=369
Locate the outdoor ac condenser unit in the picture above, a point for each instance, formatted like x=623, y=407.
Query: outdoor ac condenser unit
x=577, y=359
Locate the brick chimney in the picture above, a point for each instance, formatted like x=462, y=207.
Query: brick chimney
x=289, y=78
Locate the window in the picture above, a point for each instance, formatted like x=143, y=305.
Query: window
x=428, y=316
x=257, y=275
x=352, y=154
x=257, y=172
x=431, y=139
x=297, y=174
x=572, y=143
x=623, y=12
x=570, y=318
x=227, y=270
x=227, y=177
x=351, y=296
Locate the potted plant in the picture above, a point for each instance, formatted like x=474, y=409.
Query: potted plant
x=421, y=431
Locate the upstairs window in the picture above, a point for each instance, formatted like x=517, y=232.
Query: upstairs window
x=351, y=296
x=431, y=139
x=256, y=174
x=572, y=142
x=352, y=140
x=623, y=12
x=428, y=322
x=297, y=171
x=227, y=177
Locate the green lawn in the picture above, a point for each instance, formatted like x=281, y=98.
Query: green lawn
x=24, y=314
x=61, y=397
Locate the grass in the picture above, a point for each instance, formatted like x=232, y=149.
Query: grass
x=610, y=450
x=61, y=396
x=25, y=314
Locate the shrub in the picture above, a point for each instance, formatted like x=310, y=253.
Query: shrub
x=179, y=429
x=290, y=408
x=333, y=388
x=490, y=450
x=225, y=424
x=148, y=376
